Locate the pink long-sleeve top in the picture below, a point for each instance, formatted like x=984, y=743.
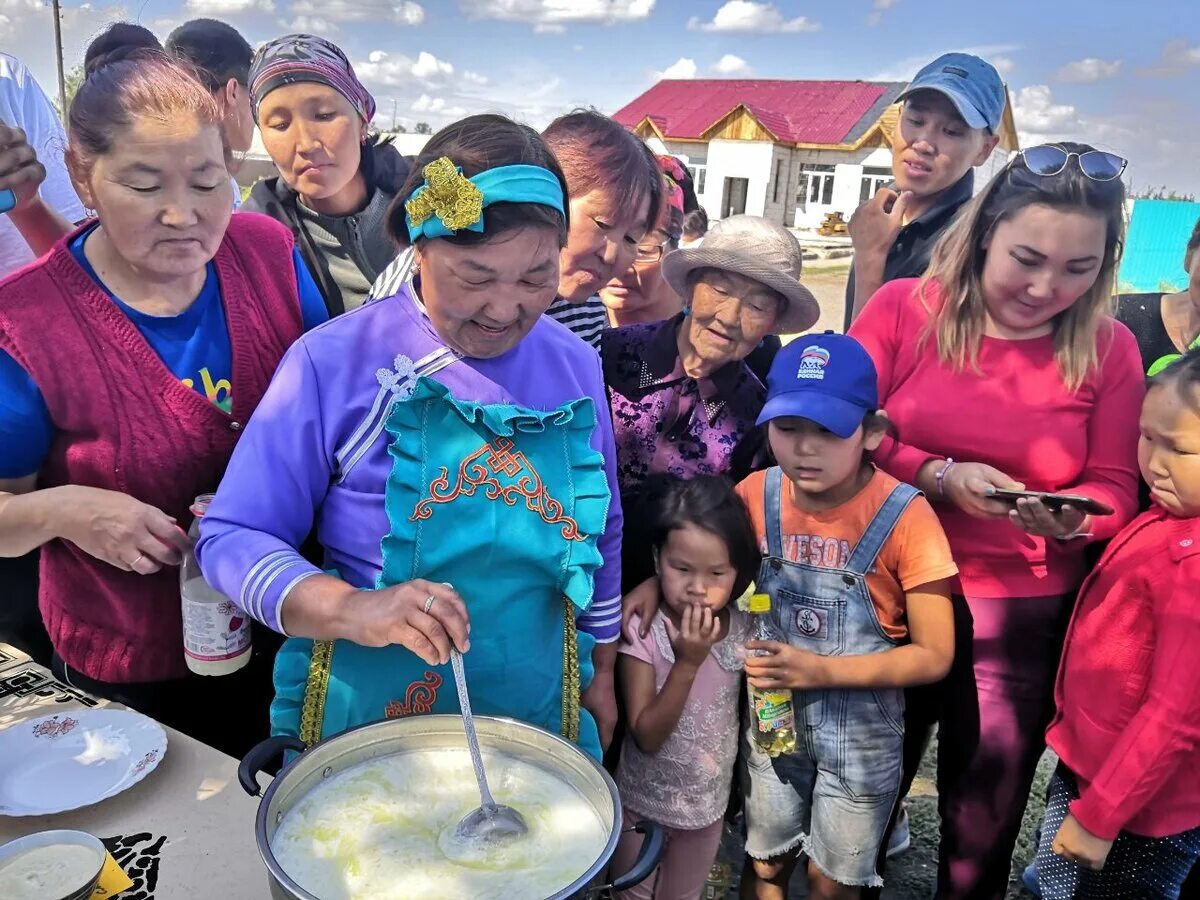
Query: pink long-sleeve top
x=1013, y=412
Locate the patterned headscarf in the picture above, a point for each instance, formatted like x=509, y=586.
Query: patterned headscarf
x=297, y=58
x=673, y=177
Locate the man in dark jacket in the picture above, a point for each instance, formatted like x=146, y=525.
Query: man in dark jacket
x=949, y=124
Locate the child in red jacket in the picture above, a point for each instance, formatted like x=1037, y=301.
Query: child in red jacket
x=1123, y=810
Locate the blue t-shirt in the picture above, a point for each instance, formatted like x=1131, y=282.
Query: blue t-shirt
x=194, y=345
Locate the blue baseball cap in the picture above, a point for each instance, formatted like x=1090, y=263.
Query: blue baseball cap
x=972, y=84
x=826, y=378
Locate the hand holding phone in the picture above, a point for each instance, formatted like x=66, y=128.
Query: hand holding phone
x=1054, y=501
x=20, y=171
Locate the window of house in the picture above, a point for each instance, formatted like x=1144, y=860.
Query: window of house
x=873, y=178
x=816, y=185
x=778, y=180
x=698, y=173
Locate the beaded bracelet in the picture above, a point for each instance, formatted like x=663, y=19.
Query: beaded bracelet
x=940, y=478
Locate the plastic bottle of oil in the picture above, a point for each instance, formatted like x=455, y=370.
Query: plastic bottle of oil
x=772, y=712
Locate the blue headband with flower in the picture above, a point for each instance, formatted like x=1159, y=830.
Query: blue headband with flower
x=448, y=201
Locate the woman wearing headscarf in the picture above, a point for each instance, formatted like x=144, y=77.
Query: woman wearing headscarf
x=447, y=433
x=335, y=180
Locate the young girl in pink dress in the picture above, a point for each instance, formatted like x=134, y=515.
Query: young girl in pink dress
x=681, y=683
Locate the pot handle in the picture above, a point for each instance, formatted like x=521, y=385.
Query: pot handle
x=648, y=857
x=262, y=753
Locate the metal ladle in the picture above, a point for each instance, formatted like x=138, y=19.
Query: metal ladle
x=492, y=822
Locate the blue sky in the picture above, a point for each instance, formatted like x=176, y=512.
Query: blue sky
x=1121, y=74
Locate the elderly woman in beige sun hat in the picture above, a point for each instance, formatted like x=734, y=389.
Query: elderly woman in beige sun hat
x=684, y=400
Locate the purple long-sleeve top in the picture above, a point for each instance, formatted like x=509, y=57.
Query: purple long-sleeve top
x=315, y=452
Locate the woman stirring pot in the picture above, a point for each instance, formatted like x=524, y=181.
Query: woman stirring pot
x=446, y=434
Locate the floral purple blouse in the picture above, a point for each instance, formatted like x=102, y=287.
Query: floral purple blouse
x=668, y=422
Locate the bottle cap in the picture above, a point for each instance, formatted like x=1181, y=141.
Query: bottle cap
x=760, y=603
x=200, y=505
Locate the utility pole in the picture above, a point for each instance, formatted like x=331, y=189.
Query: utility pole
x=393, y=106
x=58, y=54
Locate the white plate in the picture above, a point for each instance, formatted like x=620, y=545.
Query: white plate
x=71, y=759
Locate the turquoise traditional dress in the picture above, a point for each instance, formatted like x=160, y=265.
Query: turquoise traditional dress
x=505, y=504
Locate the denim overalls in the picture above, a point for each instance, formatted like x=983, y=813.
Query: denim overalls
x=834, y=795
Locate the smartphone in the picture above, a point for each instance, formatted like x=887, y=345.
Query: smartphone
x=1054, y=502
x=7, y=201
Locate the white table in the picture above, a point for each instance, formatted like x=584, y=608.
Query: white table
x=185, y=831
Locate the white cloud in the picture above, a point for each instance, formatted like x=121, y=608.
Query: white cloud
x=404, y=13
x=1177, y=57
x=1004, y=65
x=227, y=7
x=729, y=65
x=681, y=68
x=385, y=70
x=438, y=106
x=309, y=25
x=1089, y=70
x=429, y=68
x=878, y=8
x=553, y=16
x=474, y=77
x=905, y=68
x=1039, y=118
x=750, y=15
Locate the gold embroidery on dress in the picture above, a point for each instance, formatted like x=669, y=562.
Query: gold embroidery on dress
x=312, y=713
x=571, y=691
x=480, y=470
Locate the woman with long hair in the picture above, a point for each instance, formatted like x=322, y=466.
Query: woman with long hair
x=1003, y=369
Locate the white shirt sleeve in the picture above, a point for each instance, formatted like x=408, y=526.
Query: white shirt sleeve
x=24, y=104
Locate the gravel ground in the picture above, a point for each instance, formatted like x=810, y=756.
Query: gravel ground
x=912, y=875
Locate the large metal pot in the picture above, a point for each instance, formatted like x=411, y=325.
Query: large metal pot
x=527, y=742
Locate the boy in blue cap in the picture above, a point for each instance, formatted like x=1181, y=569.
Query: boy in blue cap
x=858, y=570
x=949, y=124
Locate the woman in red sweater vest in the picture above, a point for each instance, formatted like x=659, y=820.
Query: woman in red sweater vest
x=131, y=357
x=1123, y=811
x=1003, y=369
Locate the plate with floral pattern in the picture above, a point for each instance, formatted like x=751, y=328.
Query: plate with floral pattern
x=71, y=759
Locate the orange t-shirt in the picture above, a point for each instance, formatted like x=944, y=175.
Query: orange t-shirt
x=915, y=553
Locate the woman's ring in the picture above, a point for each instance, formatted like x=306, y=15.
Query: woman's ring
x=140, y=557
x=429, y=602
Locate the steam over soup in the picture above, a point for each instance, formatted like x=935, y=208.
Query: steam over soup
x=384, y=829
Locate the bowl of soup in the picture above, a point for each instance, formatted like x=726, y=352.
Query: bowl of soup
x=371, y=813
x=51, y=865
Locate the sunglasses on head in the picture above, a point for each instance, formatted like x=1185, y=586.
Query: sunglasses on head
x=1047, y=159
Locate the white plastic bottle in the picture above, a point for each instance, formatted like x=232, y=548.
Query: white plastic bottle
x=216, y=634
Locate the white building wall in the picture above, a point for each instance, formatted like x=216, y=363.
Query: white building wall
x=780, y=198
x=997, y=161
x=737, y=159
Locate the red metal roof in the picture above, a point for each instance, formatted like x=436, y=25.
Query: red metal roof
x=802, y=112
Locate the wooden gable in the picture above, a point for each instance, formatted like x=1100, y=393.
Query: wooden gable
x=739, y=124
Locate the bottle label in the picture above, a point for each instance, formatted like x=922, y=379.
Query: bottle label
x=213, y=632
x=773, y=711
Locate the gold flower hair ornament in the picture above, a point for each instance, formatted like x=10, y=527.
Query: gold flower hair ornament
x=447, y=195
